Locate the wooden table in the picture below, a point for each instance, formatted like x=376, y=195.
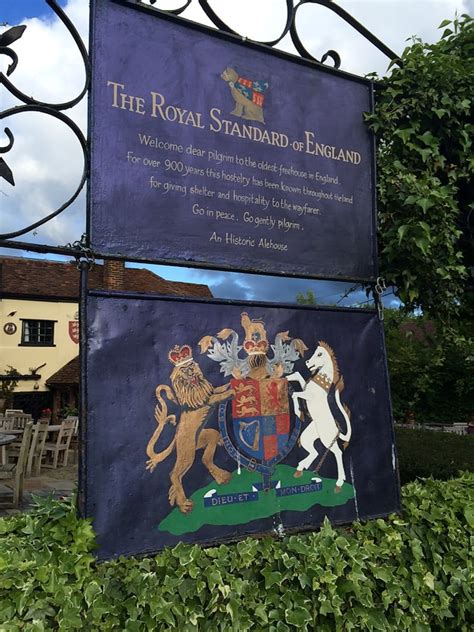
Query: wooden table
x=5, y=438
x=54, y=428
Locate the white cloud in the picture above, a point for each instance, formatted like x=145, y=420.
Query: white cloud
x=392, y=21
x=46, y=158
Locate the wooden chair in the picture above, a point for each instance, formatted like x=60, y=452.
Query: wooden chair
x=7, y=423
x=61, y=444
x=40, y=433
x=19, y=420
x=16, y=471
x=16, y=422
x=74, y=446
x=14, y=411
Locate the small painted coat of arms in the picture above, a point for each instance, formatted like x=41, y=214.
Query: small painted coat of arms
x=73, y=330
x=248, y=95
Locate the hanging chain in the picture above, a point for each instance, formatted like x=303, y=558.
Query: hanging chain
x=83, y=255
x=379, y=289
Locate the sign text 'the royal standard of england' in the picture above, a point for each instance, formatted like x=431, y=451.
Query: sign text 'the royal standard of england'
x=209, y=151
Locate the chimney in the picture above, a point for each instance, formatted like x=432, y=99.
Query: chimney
x=114, y=275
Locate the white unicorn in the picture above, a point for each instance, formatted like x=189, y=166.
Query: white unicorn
x=323, y=426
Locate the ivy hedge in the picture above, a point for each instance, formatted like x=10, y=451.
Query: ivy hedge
x=408, y=572
x=424, y=453
x=430, y=372
x=424, y=125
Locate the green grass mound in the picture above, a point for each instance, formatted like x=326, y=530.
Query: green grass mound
x=268, y=503
x=411, y=572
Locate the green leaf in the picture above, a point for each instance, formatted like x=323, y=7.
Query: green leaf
x=377, y=620
x=298, y=616
x=469, y=515
x=387, y=574
x=401, y=232
x=424, y=153
x=428, y=139
x=429, y=580
x=425, y=203
x=261, y=613
x=412, y=294
x=404, y=134
x=232, y=607
x=423, y=244
x=92, y=590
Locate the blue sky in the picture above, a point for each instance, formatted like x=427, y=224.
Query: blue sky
x=13, y=11
x=50, y=69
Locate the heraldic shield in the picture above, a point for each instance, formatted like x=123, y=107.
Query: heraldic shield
x=259, y=428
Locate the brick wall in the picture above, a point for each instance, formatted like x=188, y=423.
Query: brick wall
x=114, y=275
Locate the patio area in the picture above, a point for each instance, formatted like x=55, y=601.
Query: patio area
x=59, y=483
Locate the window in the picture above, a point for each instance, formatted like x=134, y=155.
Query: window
x=38, y=332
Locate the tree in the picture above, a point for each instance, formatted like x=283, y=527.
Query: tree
x=306, y=298
x=8, y=386
x=423, y=123
x=430, y=374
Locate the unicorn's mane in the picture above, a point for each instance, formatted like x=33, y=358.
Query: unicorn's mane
x=338, y=379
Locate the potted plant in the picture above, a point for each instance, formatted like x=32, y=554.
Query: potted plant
x=46, y=414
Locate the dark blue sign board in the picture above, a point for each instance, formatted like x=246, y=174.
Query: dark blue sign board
x=206, y=150
x=212, y=421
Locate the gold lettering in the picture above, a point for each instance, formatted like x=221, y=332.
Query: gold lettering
x=214, y=113
x=115, y=89
x=157, y=102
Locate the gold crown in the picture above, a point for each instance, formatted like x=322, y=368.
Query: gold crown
x=180, y=355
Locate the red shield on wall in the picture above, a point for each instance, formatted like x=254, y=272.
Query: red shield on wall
x=74, y=330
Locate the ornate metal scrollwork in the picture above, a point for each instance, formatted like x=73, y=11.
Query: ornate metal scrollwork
x=347, y=17
x=80, y=136
x=13, y=34
x=290, y=27
x=177, y=11
x=9, y=37
x=31, y=104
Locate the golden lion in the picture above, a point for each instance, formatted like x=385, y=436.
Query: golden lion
x=244, y=107
x=196, y=395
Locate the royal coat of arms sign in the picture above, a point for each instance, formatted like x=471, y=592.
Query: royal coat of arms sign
x=260, y=419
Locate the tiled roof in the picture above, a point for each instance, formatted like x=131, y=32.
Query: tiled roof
x=43, y=278
x=68, y=374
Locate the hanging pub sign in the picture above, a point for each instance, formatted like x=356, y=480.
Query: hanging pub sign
x=224, y=420
x=208, y=150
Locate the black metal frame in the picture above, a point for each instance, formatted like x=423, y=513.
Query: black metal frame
x=80, y=250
